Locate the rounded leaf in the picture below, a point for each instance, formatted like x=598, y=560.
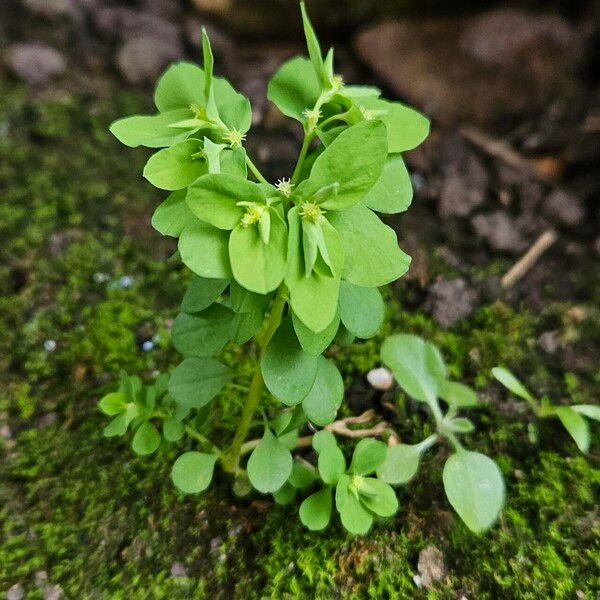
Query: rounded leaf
x=192, y=472
x=400, y=465
x=315, y=511
x=361, y=309
x=326, y=395
x=146, y=439
x=368, y=455
x=196, y=381
x=270, y=464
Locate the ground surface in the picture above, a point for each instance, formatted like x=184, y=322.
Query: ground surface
x=84, y=282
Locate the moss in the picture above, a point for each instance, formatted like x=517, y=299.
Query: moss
x=104, y=523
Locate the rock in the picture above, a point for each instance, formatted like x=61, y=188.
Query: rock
x=451, y=301
x=54, y=592
x=447, y=66
x=465, y=180
x=169, y=9
x=55, y=9
x=178, y=570
x=499, y=231
x=41, y=578
x=563, y=207
x=142, y=59
x=431, y=566
x=16, y=592
x=380, y=379
x=549, y=341
x=35, y=63
x=6, y=432
x=48, y=420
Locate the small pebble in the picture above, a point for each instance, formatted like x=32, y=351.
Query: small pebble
x=49, y=345
x=380, y=379
x=5, y=432
x=178, y=570
x=54, y=592
x=148, y=345
x=101, y=277
x=41, y=578
x=126, y=281
x=16, y=592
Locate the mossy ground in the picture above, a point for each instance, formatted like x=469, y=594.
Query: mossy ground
x=103, y=523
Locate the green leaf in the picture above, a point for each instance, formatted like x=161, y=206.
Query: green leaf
x=250, y=311
x=113, y=403
x=354, y=160
x=315, y=343
x=270, y=464
x=176, y=167
x=417, y=366
x=146, y=439
x=361, y=309
x=576, y=425
x=392, y=192
x=400, y=465
x=381, y=498
x=257, y=266
x=288, y=372
x=193, y=471
x=475, y=489
x=372, y=255
x=152, y=131
x=508, y=380
x=234, y=108
x=315, y=511
x=326, y=395
x=301, y=476
x=203, y=249
x=204, y=333
x=209, y=62
x=322, y=440
x=331, y=464
x=406, y=127
x=457, y=395
x=307, y=293
x=117, y=427
x=173, y=430
x=312, y=44
x=213, y=198
x=172, y=216
x=355, y=517
x=459, y=425
x=196, y=381
x=201, y=293
x=344, y=338
x=180, y=86
x=368, y=455
x=294, y=88
x=588, y=410
x=285, y=494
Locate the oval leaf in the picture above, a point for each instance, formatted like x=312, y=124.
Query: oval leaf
x=193, y=471
x=270, y=464
x=315, y=511
x=326, y=395
x=196, y=381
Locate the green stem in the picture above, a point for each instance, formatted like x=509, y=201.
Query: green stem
x=231, y=460
x=428, y=442
x=339, y=117
x=193, y=433
x=308, y=138
x=254, y=169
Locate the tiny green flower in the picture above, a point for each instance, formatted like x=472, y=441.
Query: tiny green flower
x=235, y=138
x=312, y=116
x=312, y=212
x=253, y=214
x=284, y=186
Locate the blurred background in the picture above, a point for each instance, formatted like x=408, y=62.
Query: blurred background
x=513, y=92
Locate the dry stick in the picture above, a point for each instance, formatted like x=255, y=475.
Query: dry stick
x=529, y=258
x=341, y=428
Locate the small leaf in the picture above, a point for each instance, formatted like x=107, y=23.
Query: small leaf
x=475, y=489
x=172, y=216
x=331, y=463
x=392, y=192
x=315, y=343
x=179, y=86
x=400, y=465
x=457, y=395
x=201, y=293
x=355, y=517
x=117, y=427
x=113, y=403
x=285, y=494
x=588, y=410
x=173, y=430
x=270, y=464
x=302, y=476
x=368, y=455
x=204, y=250
x=193, y=471
x=361, y=309
x=204, y=333
x=146, y=439
x=325, y=397
x=176, y=167
x=459, y=425
x=381, y=498
x=152, y=131
x=196, y=381
x=315, y=511
x=508, y=380
x=289, y=373
x=322, y=440
x=576, y=425
x=312, y=44
x=417, y=366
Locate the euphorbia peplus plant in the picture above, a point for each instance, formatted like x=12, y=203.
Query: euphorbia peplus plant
x=287, y=266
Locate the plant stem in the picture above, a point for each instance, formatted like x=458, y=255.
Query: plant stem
x=308, y=138
x=193, y=433
x=428, y=442
x=254, y=169
x=230, y=461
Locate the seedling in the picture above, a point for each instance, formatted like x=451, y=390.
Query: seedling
x=289, y=267
x=572, y=417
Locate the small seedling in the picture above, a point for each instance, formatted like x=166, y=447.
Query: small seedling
x=572, y=417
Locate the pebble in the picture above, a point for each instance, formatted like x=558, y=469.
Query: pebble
x=380, y=379
x=564, y=207
x=5, y=432
x=451, y=301
x=178, y=570
x=549, y=341
x=35, y=63
x=126, y=281
x=148, y=345
x=142, y=59
x=499, y=231
x=50, y=345
x=431, y=566
x=16, y=592
x=48, y=420
x=53, y=593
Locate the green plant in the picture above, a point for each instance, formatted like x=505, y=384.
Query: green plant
x=290, y=267
x=473, y=482
x=572, y=417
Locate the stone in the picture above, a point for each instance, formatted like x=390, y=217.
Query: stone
x=549, y=341
x=499, y=231
x=142, y=59
x=35, y=63
x=447, y=66
x=451, y=301
x=465, y=180
x=16, y=592
x=53, y=592
x=380, y=379
x=431, y=566
x=178, y=570
x=563, y=207
x=54, y=9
